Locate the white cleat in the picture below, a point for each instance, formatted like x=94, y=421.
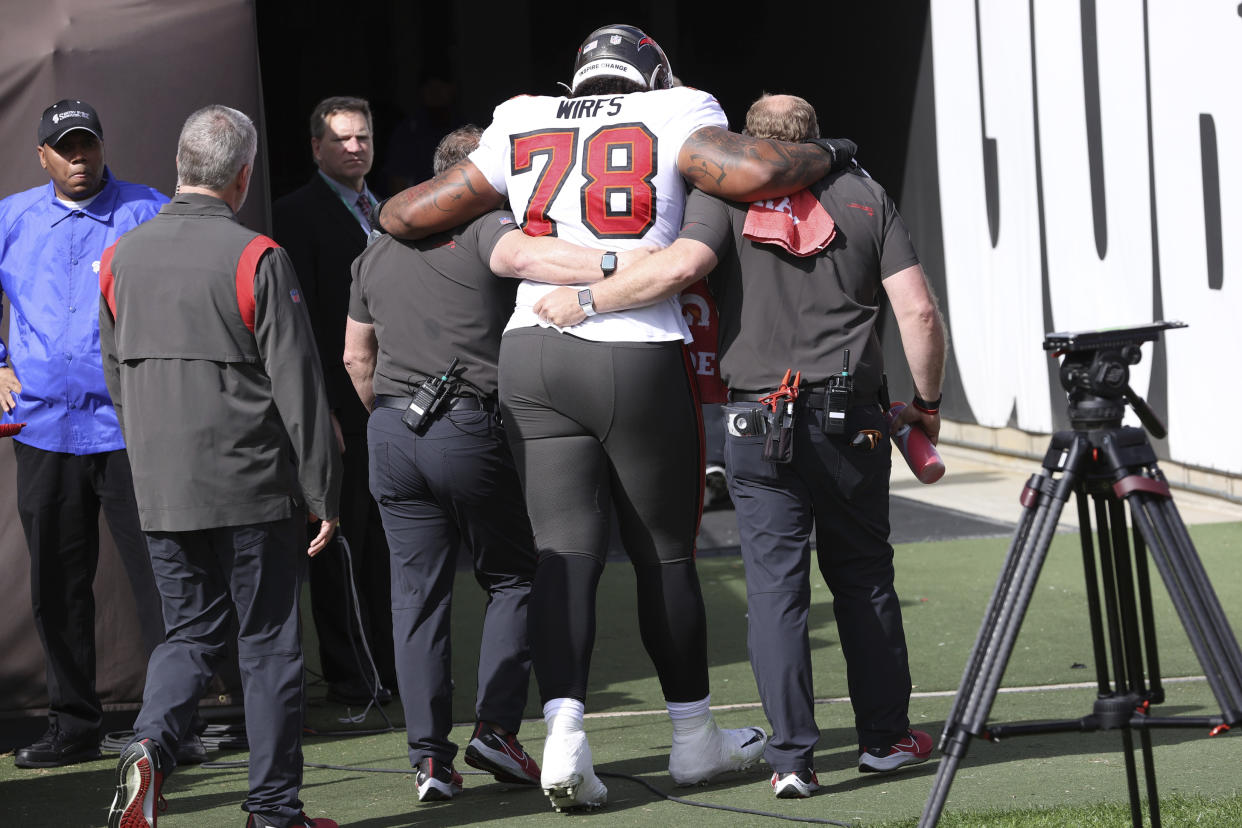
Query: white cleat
x=568, y=777
x=707, y=751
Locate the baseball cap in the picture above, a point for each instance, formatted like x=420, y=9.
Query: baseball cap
x=66, y=116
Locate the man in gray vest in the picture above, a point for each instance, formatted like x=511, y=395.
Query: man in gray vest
x=210, y=361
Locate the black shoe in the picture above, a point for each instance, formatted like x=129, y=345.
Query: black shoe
x=501, y=756
x=260, y=821
x=356, y=692
x=191, y=751
x=56, y=749
x=437, y=780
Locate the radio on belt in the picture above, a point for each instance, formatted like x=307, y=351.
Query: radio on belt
x=837, y=398
x=428, y=398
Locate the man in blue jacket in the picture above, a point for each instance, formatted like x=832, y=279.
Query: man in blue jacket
x=71, y=459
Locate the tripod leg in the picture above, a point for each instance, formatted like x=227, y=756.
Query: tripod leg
x=1149, y=770
x=1015, y=563
x=1091, y=578
x=1192, y=595
x=1043, y=499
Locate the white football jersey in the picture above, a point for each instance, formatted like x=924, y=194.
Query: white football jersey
x=601, y=172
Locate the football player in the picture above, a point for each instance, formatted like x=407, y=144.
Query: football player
x=602, y=418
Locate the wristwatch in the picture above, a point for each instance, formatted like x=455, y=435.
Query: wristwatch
x=585, y=302
x=608, y=263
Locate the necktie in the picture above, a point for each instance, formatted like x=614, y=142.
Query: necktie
x=364, y=206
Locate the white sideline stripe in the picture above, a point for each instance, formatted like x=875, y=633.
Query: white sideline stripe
x=932, y=694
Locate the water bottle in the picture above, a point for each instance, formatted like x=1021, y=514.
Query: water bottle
x=914, y=445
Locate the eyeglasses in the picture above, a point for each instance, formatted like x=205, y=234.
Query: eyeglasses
x=866, y=440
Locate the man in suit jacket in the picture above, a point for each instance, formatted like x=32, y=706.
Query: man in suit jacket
x=324, y=225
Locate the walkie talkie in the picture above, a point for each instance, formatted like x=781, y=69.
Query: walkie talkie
x=428, y=398
x=837, y=398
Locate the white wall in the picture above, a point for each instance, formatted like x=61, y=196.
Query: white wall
x=1015, y=74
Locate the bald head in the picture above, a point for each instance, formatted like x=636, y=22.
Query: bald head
x=783, y=117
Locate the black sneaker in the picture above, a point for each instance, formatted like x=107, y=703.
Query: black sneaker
x=501, y=756
x=437, y=780
x=260, y=821
x=191, y=750
x=138, y=780
x=55, y=749
x=793, y=785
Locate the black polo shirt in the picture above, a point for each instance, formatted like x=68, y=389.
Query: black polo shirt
x=779, y=311
x=432, y=300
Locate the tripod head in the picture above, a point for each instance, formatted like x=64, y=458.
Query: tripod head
x=1096, y=374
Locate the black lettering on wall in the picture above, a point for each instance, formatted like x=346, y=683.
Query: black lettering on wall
x=1091, y=100
x=991, y=183
x=1211, y=202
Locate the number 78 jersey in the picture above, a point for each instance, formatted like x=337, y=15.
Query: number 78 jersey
x=600, y=172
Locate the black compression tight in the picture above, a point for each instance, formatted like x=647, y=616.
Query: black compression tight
x=601, y=429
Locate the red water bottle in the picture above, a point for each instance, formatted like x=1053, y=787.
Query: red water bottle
x=914, y=445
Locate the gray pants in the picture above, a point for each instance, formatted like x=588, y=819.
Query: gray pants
x=842, y=492
x=454, y=485
x=243, y=580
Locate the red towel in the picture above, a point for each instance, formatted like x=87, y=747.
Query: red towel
x=798, y=223
x=9, y=429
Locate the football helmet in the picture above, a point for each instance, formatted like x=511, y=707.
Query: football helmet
x=625, y=52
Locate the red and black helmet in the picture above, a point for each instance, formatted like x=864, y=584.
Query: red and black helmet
x=624, y=52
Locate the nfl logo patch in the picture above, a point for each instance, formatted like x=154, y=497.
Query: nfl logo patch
x=506, y=220
x=296, y=296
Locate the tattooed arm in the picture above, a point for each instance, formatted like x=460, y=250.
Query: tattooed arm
x=453, y=197
x=744, y=168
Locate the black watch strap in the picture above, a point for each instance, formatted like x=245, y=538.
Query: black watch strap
x=608, y=263
x=927, y=407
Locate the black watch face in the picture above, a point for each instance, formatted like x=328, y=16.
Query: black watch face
x=608, y=263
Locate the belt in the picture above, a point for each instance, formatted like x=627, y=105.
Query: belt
x=814, y=399
x=465, y=402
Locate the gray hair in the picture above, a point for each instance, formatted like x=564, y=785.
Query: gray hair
x=215, y=143
x=455, y=146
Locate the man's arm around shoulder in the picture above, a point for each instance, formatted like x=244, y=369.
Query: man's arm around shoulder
x=453, y=197
x=744, y=168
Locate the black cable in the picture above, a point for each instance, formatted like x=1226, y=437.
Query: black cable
x=366, y=647
x=676, y=800
x=680, y=800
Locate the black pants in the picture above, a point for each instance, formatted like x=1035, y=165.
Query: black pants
x=843, y=492
x=451, y=487
x=59, y=497
x=243, y=580
x=341, y=650
x=598, y=428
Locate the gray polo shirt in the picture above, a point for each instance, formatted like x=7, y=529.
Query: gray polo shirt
x=779, y=311
x=432, y=300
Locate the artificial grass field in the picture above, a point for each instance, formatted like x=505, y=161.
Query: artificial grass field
x=1059, y=779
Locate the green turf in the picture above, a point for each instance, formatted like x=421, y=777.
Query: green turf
x=944, y=589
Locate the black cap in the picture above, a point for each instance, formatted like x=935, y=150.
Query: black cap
x=66, y=116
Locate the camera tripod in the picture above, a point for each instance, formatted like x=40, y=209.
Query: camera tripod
x=1102, y=464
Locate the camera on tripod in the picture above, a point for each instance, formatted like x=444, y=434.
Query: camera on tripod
x=1105, y=467
x=1096, y=374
